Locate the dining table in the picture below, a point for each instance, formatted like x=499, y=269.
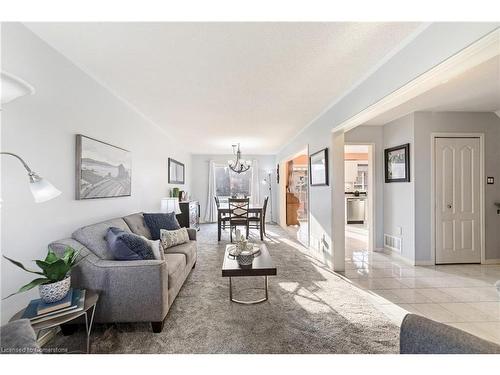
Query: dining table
x=223, y=209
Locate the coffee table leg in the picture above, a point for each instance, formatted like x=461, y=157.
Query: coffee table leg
x=88, y=327
x=248, y=302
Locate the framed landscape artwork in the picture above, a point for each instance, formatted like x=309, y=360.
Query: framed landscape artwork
x=318, y=166
x=175, y=172
x=102, y=170
x=397, y=163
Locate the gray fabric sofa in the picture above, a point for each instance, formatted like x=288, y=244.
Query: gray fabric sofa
x=130, y=291
x=18, y=337
x=420, y=335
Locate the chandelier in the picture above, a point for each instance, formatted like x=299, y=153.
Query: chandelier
x=238, y=165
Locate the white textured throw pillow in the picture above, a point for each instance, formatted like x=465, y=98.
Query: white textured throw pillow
x=171, y=238
x=156, y=247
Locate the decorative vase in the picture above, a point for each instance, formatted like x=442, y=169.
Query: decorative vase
x=54, y=292
x=245, y=258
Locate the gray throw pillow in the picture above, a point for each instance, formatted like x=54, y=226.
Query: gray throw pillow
x=127, y=246
x=155, y=222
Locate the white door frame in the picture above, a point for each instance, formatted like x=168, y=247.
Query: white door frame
x=371, y=191
x=282, y=191
x=482, y=214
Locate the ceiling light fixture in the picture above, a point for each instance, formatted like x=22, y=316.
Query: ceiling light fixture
x=238, y=165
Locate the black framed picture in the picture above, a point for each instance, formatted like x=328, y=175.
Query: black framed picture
x=397, y=163
x=318, y=167
x=176, y=172
x=277, y=173
x=102, y=170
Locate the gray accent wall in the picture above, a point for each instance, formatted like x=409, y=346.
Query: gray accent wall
x=42, y=129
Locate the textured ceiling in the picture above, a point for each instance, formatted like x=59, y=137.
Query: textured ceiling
x=215, y=84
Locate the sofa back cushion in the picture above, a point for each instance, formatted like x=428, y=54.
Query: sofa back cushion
x=137, y=225
x=94, y=236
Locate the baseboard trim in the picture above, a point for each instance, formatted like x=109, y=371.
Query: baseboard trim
x=491, y=261
x=424, y=263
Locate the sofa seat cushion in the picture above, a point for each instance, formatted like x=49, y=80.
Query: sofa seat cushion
x=137, y=225
x=188, y=249
x=94, y=236
x=176, y=264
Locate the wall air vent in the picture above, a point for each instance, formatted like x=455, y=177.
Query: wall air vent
x=393, y=243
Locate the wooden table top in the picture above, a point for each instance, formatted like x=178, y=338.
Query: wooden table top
x=262, y=265
x=91, y=298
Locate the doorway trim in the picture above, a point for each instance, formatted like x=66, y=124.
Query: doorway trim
x=371, y=192
x=481, y=188
x=282, y=191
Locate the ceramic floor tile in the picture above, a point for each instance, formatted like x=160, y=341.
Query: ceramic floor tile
x=436, y=312
x=490, y=308
x=410, y=296
x=467, y=313
x=436, y=295
x=484, y=294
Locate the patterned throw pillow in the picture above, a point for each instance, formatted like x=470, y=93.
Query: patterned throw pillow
x=171, y=238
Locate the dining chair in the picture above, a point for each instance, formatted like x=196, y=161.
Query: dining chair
x=224, y=217
x=238, y=214
x=258, y=220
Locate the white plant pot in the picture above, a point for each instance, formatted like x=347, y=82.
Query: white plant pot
x=54, y=292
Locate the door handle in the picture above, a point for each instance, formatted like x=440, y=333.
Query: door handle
x=449, y=206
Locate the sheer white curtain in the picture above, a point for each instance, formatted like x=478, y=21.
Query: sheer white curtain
x=211, y=210
x=255, y=184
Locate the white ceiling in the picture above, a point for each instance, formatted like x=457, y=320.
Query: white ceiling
x=214, y=84
x=475, y=90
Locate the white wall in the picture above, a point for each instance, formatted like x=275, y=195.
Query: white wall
x=375, y=135
x=42, y=129
x=399, y=197
x=200, y=171
x=421, y=52
x=465, y=122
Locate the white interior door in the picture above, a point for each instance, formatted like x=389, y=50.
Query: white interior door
x=457, y=197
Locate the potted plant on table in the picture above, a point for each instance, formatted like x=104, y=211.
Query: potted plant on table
x=56, y=281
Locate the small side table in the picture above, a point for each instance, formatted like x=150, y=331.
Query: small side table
x=91, y=298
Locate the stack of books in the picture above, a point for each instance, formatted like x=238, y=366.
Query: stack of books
x=39, y=311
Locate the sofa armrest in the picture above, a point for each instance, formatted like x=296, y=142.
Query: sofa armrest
x=420, y=335
x=192, y=234
x=18, y=337
x=129, y=291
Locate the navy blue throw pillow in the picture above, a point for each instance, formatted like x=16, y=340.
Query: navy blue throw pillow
x=155, y=222
x=127, y=246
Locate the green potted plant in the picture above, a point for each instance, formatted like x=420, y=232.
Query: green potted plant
x=55, y=269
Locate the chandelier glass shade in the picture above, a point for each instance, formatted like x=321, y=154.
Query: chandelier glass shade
x=238, y=165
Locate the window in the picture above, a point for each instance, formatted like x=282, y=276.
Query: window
x=229, y=183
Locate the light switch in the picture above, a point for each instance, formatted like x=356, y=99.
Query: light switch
x=490, y=180
x=399, y=231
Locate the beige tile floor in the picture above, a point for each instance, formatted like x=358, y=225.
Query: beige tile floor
x=463, y=296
